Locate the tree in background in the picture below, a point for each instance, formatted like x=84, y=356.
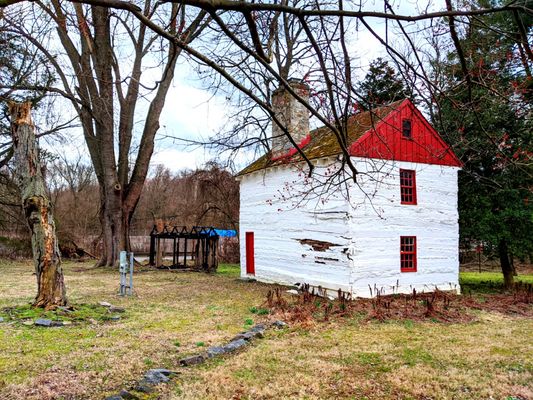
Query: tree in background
x=21, y=66
x=100, y=57
x=74, y=195
x=207, y=196
x=485, y=113
x=382, y=85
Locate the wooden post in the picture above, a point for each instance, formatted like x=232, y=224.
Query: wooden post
x=158, y=257
x=185, y=254
x=51, y=291
x=174, y=261
x=152, y=249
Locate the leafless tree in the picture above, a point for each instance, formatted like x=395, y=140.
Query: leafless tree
x=250, y=27
x=207, y=196
x=101, y=55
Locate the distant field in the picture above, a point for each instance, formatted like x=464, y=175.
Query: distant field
x=177, y=313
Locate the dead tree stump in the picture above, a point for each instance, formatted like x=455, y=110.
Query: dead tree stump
x=51, y=291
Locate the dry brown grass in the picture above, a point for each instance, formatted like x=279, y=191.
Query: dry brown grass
x=488, y=359
x=346, y=357
x=171, y=314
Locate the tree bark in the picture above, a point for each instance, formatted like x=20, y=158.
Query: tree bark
x=513, y=266
x=51, y=291
x=507, y=270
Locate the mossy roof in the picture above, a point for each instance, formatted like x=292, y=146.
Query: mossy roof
x=323, y=141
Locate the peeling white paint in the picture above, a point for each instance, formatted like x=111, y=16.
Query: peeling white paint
x=366, y=228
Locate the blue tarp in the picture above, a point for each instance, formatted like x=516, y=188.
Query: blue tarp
x=226, y=232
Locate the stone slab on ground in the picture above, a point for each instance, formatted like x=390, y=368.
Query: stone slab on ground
x=151, y=378
x=1, y=319
x=245, y=336
x=279, y=324
x=158, y=375
x=115, y=309
x=192, y=360
x=105, y=304
x=234, y=345
x=258, y=327
x=125, y=395
x=143, y=388
x=43, y=322
x=215, y=351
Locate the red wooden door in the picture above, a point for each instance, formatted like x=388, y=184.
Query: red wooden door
x=250, y=257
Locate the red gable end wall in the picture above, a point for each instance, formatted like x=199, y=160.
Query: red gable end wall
x=385, y=141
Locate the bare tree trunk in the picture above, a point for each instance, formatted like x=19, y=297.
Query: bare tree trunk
x=51, y=291
x=507, y=270
x=511, y=261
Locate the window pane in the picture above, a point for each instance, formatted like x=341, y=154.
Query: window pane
x=407, y=186
x=408, y=253
x=406, y=128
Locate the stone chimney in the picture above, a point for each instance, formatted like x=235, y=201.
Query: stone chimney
x=292, y=114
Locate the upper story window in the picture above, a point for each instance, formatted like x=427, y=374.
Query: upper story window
x=408, y=253
x=406, y=129
x=407, y=186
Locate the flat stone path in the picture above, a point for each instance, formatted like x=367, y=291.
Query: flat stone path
x=157, y=376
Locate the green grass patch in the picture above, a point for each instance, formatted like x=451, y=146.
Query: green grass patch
x=259, y=311
x=487, y=282
x=414, y=356
x=229, y=270
x=369, y=358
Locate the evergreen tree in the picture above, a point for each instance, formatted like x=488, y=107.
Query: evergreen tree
x=382, y=85
x=486, y=115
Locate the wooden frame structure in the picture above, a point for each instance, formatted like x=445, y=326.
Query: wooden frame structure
x=195, y=248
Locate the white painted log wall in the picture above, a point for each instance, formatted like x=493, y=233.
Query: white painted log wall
x=366, y=230
x=434, y=221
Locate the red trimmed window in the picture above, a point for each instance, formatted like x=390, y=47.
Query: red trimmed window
x=408, y=253
x=406, y=129
x=408, y=186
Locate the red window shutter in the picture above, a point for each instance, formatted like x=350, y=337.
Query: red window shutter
x=408, y=253
x=408, y=186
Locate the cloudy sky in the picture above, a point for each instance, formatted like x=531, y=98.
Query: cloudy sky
x=193, y=113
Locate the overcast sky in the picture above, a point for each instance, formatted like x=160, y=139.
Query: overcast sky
x=193, y=113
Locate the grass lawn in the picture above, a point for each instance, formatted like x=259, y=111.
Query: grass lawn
x=175, y=314
x=487, y=281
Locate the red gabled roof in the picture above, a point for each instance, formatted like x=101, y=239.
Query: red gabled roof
x=385, y=140
x=374, y=134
